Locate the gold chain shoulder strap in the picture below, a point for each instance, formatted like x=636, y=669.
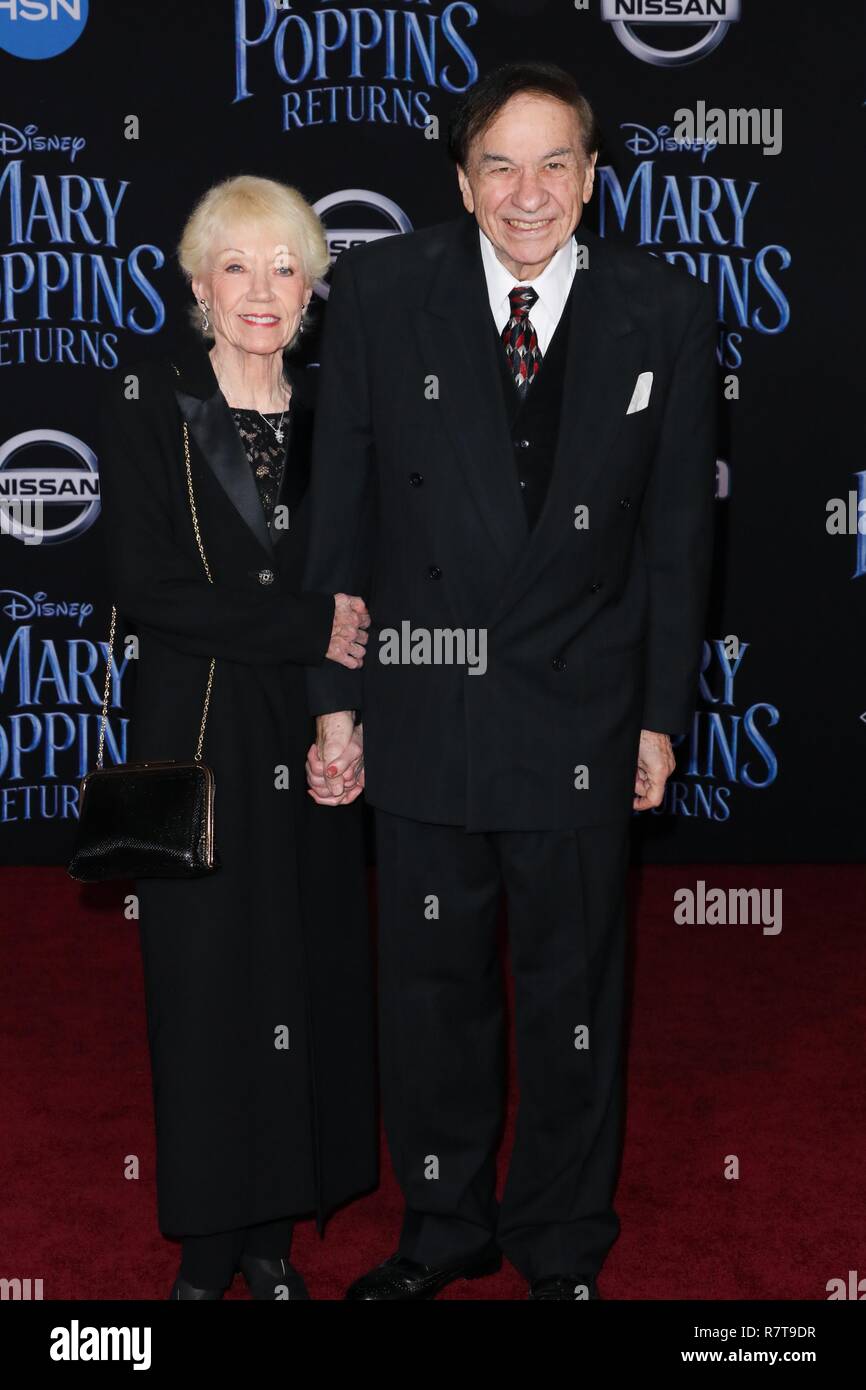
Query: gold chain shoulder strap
x=198, y=539
x=108, y=665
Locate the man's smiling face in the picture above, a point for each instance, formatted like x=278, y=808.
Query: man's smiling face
x=527, y=179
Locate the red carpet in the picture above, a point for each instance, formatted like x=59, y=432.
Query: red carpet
x=741, y=1044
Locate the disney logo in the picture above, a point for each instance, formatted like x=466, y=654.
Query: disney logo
x=646, y=141
x=14, y=141
x=20, y=607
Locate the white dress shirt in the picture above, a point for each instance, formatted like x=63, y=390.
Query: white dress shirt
x=552, y=287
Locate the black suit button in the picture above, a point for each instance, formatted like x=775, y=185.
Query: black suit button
x=434, y=572
x=416, y=479
x=594, y=588
x=522, y=483
x=558, y=663
x=521, y=443
x=265, y=576
x=625, y=503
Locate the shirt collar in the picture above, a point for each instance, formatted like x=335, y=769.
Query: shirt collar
x=551, y=286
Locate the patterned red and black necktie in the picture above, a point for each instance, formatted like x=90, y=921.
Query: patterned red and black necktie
x=520, y=338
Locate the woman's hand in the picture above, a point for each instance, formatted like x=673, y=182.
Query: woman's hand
x=348, y=634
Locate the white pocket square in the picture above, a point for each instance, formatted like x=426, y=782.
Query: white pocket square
x=641, y=394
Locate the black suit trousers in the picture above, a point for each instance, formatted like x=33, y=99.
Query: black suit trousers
x=442, y=1038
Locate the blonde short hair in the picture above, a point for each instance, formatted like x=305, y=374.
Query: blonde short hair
x=247, y=198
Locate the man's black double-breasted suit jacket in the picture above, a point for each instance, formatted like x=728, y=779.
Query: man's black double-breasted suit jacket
x=593, y=620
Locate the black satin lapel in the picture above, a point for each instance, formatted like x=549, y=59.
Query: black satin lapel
x=213, y=429
x=603, y=358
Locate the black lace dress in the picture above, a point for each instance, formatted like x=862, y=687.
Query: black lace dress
x=266, y=455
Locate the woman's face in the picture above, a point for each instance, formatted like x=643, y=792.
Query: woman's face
x=255, y=289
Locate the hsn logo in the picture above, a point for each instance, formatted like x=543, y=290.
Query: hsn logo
x=41, y=28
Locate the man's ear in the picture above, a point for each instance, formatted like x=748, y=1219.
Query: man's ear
x=465, y=189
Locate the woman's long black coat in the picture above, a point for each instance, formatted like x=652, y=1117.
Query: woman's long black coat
x=274, y=946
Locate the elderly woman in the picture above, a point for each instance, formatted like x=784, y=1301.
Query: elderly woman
x=257, y=978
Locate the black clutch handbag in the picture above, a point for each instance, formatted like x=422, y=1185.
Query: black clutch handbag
x=147, y=819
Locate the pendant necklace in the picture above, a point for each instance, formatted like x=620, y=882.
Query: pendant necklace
x=277, y=429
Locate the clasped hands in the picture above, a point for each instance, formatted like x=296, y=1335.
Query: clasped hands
x=335, y=762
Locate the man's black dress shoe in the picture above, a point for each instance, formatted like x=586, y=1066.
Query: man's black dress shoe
x=398, y=1277
x=272, y=1279
x=574, y=1287
x=181, y=1289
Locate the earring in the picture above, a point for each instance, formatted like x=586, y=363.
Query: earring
x=205, y=321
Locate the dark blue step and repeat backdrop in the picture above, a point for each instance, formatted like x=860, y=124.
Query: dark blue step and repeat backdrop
x=115, y=116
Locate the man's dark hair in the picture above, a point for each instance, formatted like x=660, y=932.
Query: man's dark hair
x=483, y=102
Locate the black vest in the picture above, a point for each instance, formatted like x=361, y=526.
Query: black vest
x=533, y=422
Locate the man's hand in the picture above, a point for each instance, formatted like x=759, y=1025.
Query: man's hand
x=655, y=763
x=335, y=762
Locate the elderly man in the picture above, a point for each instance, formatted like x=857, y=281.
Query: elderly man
x=515, y=455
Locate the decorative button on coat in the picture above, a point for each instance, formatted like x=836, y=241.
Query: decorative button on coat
x=266, y=576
